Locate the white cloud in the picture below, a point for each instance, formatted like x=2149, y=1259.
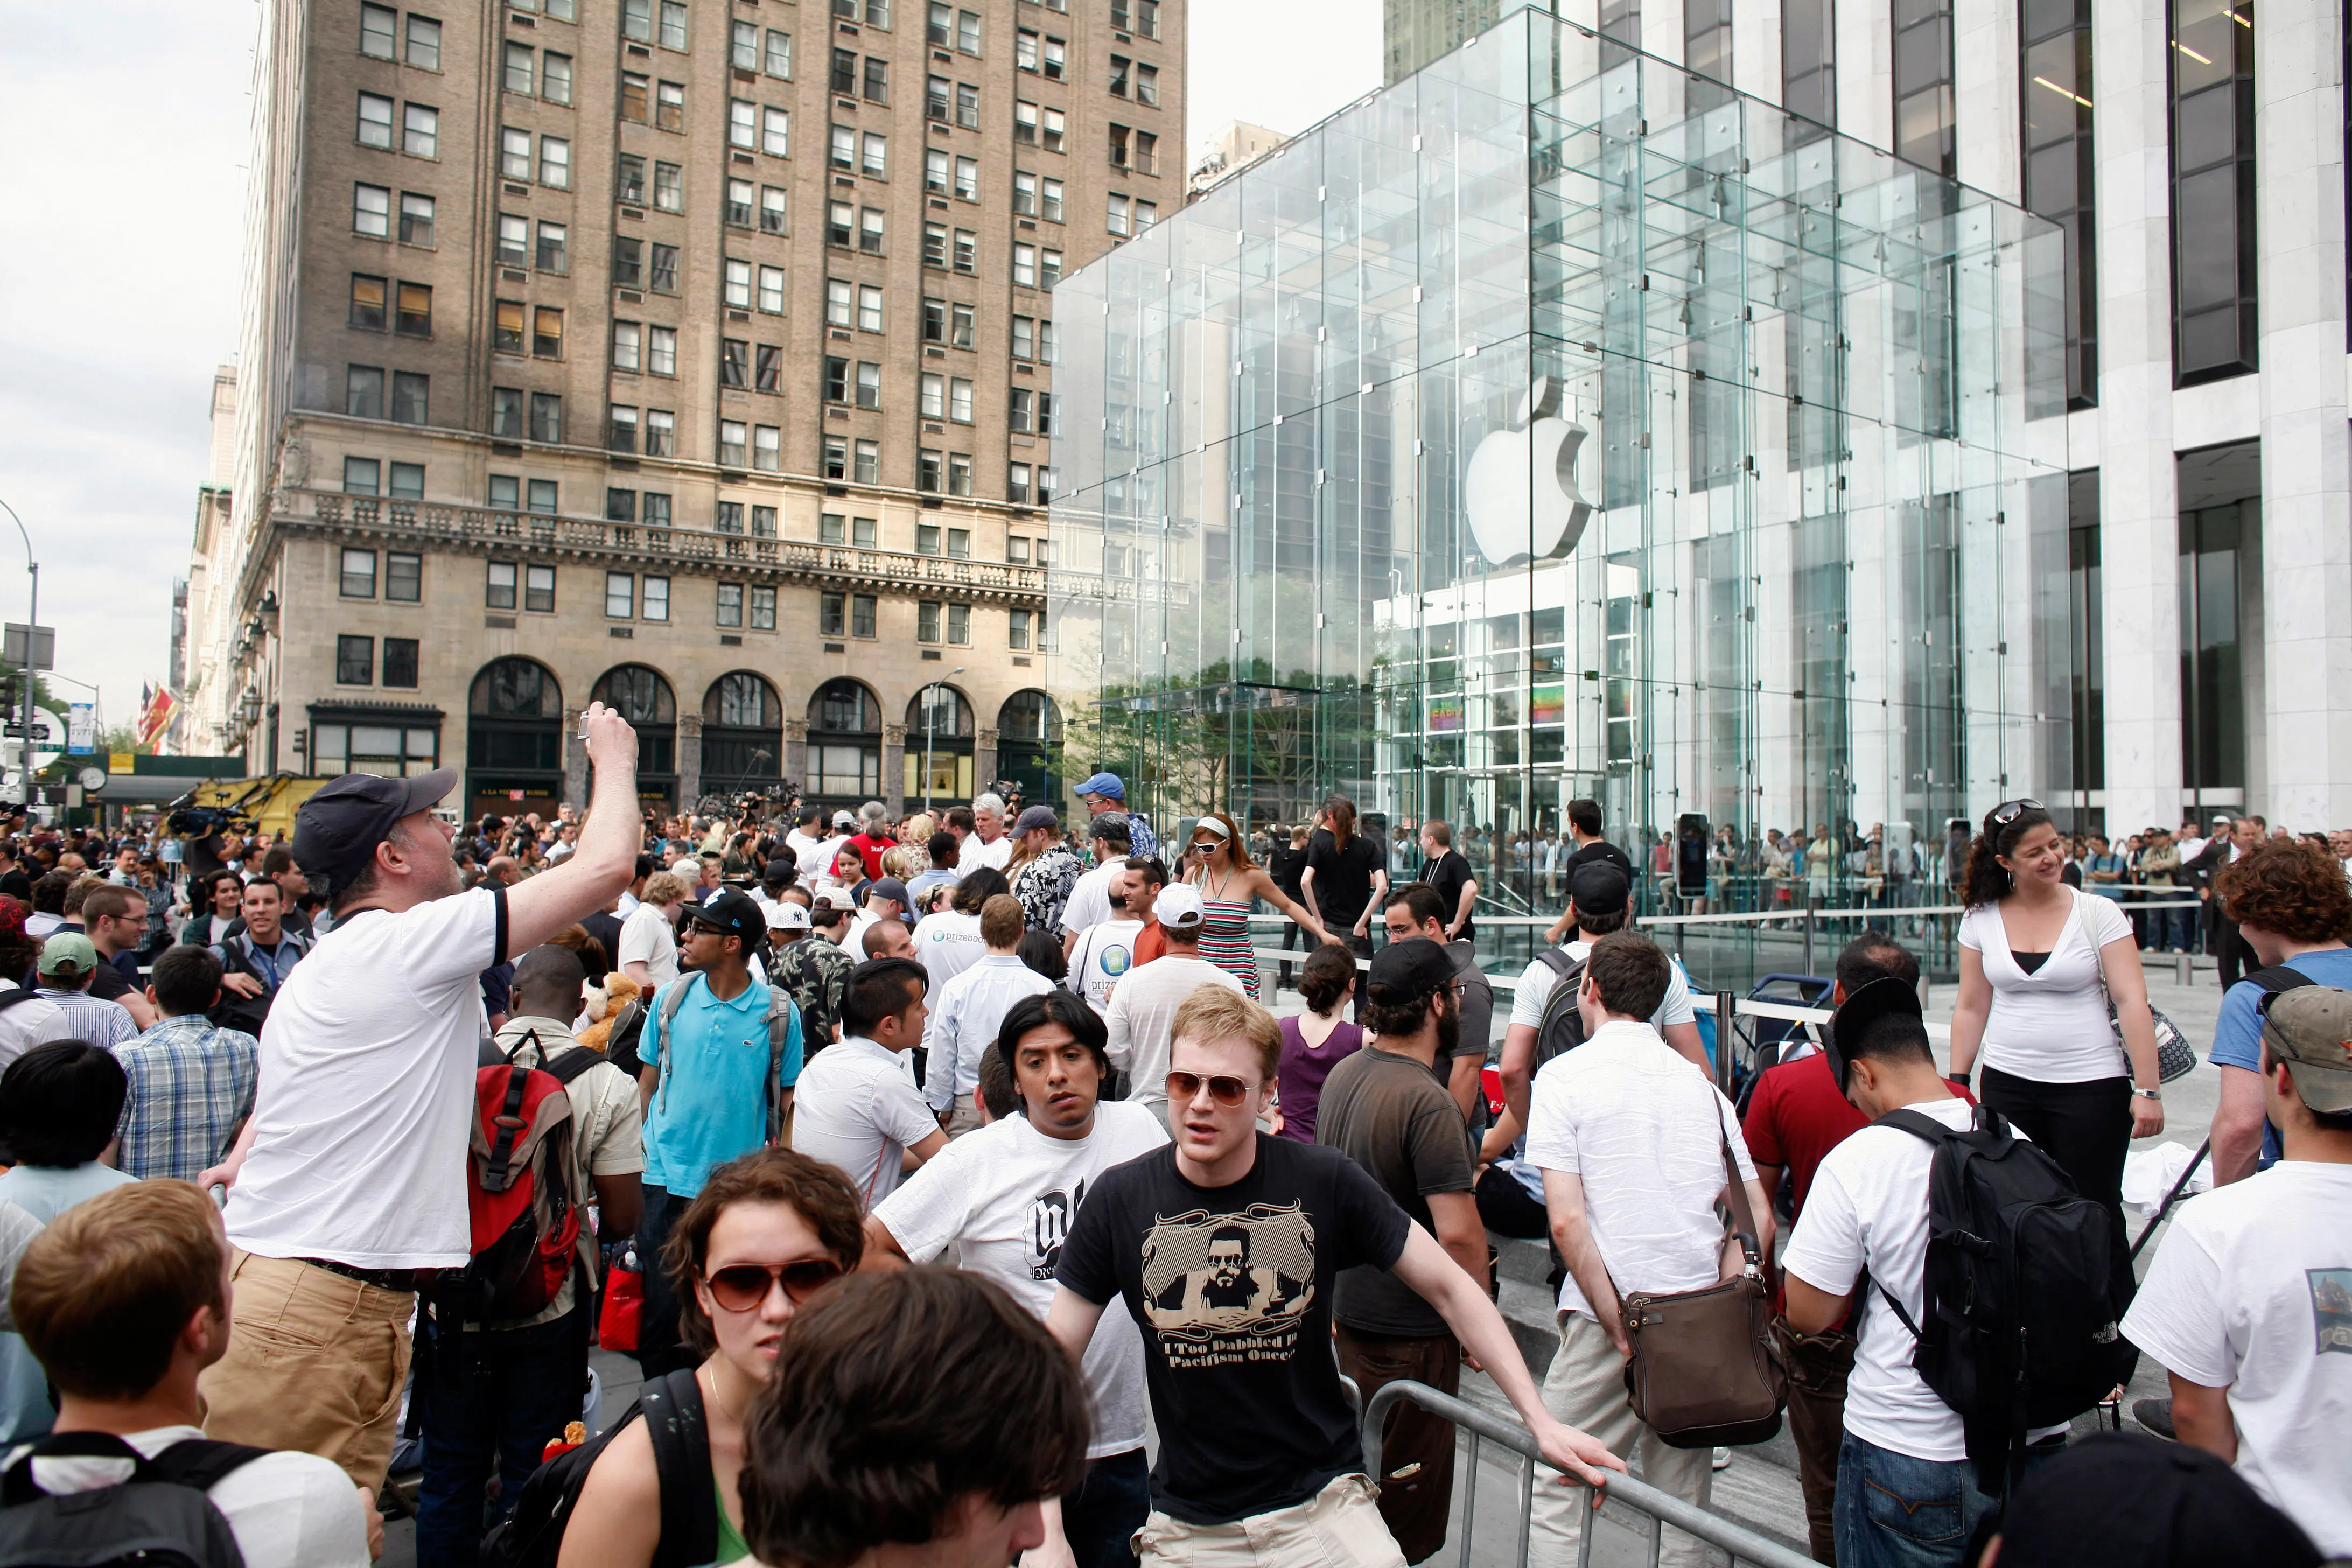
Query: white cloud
x=119, y=260
x=1282, y=64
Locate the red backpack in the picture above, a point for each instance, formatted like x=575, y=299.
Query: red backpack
x=519, y=1192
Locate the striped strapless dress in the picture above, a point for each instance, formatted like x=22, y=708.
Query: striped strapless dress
x=1226, y=940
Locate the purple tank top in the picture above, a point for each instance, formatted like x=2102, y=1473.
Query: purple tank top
x=1304, y=1068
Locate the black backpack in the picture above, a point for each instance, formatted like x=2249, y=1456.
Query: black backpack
x=1561, y=1028
x=160, y=1517
x=671, y=1408
x=2020, y=1290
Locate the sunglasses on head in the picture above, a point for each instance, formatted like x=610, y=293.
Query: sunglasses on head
x=2002, y=815
x=1229, y=1092
x=740, y=1287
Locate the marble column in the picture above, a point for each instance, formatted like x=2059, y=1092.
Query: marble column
x=894, y=767
x=575, y=769
x=984, y=762
x=689, y=759
x=796, y=768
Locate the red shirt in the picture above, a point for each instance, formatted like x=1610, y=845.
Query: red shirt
x=1797, y=1115
x=871, y=851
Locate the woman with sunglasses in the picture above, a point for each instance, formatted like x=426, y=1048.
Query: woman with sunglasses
x=1230, y=882
x=2040, y=962
x=767, y=1232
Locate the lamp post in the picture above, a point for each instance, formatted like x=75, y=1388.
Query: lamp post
x=930, y=727
x=32, y=624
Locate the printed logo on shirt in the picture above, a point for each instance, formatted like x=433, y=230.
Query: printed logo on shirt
x=1222, y=1289
x=1113, y=960
x=2331, y=1309
x=1049, y=1227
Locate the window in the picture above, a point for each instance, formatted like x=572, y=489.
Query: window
x=838, y=218
x=652, y=604
x=416, y=219
x=877, y=13
x=546, y=417
x=420, y=129
x=638, y=20
x=546, y=331
x=939, y=31
x=375, y=120
x=555, y=162
x=926, y=620
x=628, y=260
x=767, y=369
x=539, y=589
x=734, y=363
x=354, y=661
x=779, y=60
x=661, y=355
x=832, y=529
x=767, y=450
x=743, y=46
x=1120, y=67
x=542, y=493
x=960, y=474
x=620, y=595
x=935, y=245
x=663, y=272
x=400, y=662
x=553, y=254
x=869, y=384
x=1016, y=491
x=876, y=163
x=861, y=614
x=836, y=379
x=632, y=187
x=1049, y=200
x=936, y=165
x=555, y=78
x=844, y=72
x=763, y=600
x=771, y=290
x=425, y=43
x=376, y=31
x=1025, y=194
x=669, y=187
x=2214, y=271
x=361, y=476
x=869, y=471
x=521, y=77
x=367, y=302
x=620, y=506
x=498, y=591
x=506, y=493
x=959, y=331
x=1121, y=215
x=1923, y=84
x=1025, y=266
x=410, y=397
x=829, y=618
x=1024, y=337
x=932, y=402
x=929, y=467
x=736, y=288
x=1017, y=629
x=359, y=574
x=869, y=230
x=967, y=106
x=514, y=153
x=967, y=179
x=764, y=518
x=1147, y=153
x=1045, y=412
x=505, y=412
x=661, y=433
x=772, y=209
x=669, y=106
x=415, y=318
x=673, y=24
x=623, y=427
x=959, y=625
x=732, y=447
x=844, y=154
x=1053, y=60
x=407, y=484
x=730, y=603
x=363, y=392
x=728, y=518
x=959, y=399
x=2056, y=93
x=627, y=340
x=967, y=252
x=938, y=92
x=776, y=132
x=877, y=79
x=869, y=308
x=742, y=124
x=935, y=320
x=633, y=85
x=1046, y=480
x=371, y=211
x=1020, y=410
x=739, y=202
x=1147, y=84
x=1049, y=268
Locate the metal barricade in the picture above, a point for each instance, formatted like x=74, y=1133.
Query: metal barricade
x=1624, y=1493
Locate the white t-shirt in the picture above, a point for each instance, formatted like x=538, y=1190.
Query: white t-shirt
x=287, y=1510
x=27, y=1024
x=1141, y=1010
x=974, y=854
x=1005, y=1195
x=366, y=1093
x=1868, y=1206
x=1090, y=902
x=1105, y=952
x=808, y=856
x=1643, y=1130
x=2051, y=1024
x=1538, y=979
x=856, y=1108
x=947, y=944
x=2251, y=1291
x=647, y=936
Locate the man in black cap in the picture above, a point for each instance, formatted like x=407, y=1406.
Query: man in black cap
x=1867, y=1212
x=1386, y=1109
x=720, y=1053
x=351, y=1174
x=2122, y=1500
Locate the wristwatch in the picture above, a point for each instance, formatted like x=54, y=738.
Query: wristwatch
x=2150, y=1093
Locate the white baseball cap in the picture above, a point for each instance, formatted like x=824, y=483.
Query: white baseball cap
x=787, y=914
x=1178, y=907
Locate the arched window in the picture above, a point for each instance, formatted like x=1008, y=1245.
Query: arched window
x=742, y=733
x=938, y=747
x=1029, y=745
x=845, y=743
x=514, y=739
x=643, y=698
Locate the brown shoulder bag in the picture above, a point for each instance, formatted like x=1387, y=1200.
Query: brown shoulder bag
x=1705, y=1370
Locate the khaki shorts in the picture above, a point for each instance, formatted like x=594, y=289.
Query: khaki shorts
x=1339, y=1527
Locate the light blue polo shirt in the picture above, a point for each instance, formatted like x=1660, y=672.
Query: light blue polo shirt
x=713, y=1106
x=2237, y=1032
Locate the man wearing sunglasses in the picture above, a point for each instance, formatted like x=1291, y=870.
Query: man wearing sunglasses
x=1224, y=1249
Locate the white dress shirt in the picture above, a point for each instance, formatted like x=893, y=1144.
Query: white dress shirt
x=965, y=1016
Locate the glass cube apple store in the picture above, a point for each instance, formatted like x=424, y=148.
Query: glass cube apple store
x=1557, y=422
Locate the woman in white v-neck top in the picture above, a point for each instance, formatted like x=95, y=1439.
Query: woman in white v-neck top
x=2038, y=960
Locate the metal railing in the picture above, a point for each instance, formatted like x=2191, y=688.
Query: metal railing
x=1624, y=1494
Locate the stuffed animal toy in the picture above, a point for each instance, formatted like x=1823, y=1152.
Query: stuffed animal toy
x=605, y=1003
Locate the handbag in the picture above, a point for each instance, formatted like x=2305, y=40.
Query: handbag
x=2175, y=1057
x=1705, y=1370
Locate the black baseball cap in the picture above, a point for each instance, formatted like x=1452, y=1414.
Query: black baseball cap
x=1405, y=972
x=337, y=829
x=2119, y=1498
x=732, y=912
x=888, y=888
x=1887, y=996
x=1600, y=888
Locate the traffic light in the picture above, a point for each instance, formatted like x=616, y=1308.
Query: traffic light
x=12, y=692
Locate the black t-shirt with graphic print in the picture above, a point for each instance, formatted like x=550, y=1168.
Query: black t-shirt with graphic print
x=1232, y=1287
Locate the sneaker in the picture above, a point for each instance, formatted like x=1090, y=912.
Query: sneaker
x=1722, y=1459
x=2154, y=1416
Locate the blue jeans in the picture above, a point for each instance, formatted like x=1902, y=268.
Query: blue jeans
x=1896, y=1511
x=490, y=1400
x=1101, y=1519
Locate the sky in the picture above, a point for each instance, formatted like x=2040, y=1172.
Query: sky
x=120, y=256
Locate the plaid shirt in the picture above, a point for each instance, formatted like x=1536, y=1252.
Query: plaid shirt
x=191, y=1084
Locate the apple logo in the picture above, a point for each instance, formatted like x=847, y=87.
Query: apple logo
x=1521, y=492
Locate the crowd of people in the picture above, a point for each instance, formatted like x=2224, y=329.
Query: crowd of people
x=335, y=1157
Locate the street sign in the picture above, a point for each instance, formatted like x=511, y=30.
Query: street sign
x=48, y=739
x=44, y=645
x=81, y=726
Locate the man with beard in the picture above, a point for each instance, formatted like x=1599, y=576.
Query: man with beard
x=1384, y=1107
